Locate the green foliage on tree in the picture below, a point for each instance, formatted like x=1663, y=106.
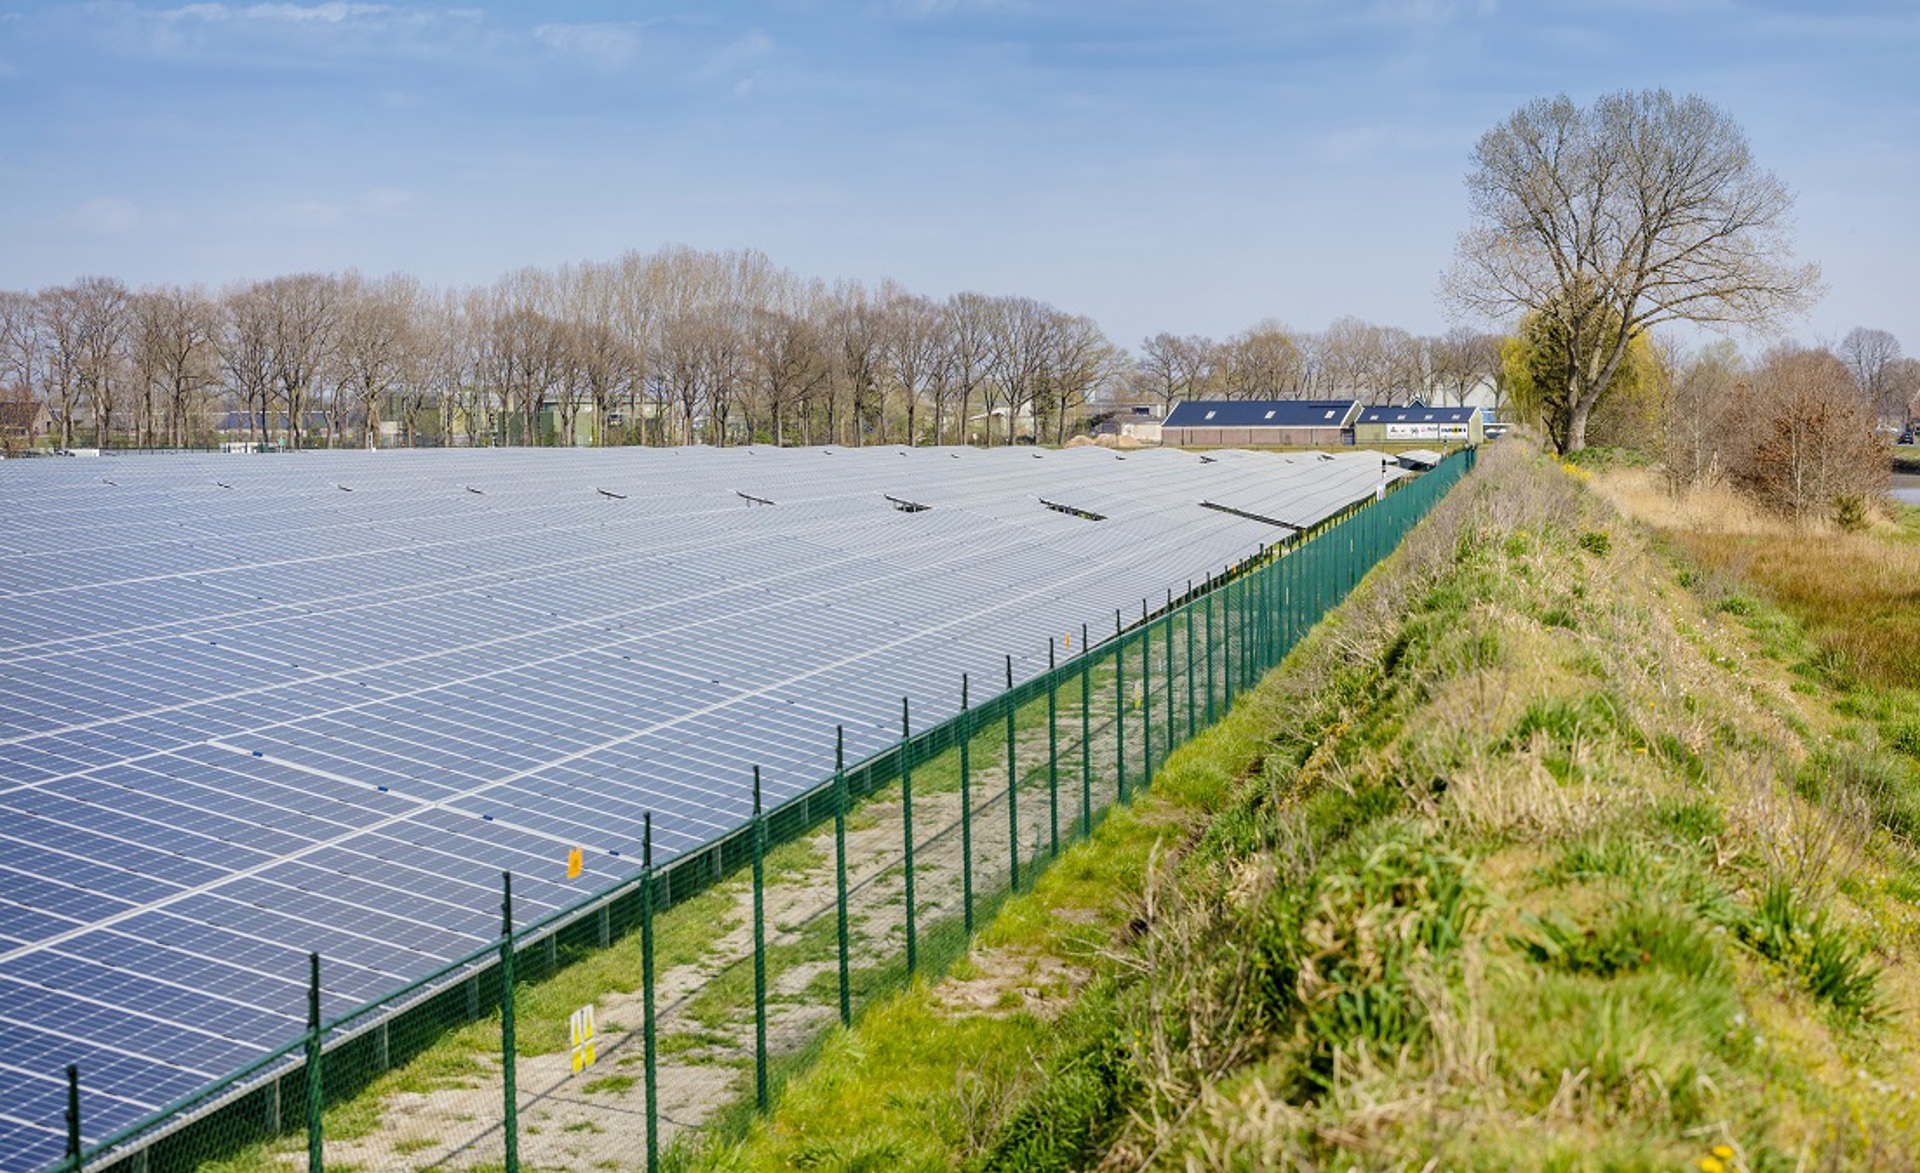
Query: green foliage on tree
x=1542, y=362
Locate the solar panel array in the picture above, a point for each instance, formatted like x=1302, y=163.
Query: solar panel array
x=252, y=707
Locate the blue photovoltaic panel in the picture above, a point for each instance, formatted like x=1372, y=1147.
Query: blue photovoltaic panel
x=241, y=724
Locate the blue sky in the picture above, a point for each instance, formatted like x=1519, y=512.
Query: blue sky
x=1192, y=166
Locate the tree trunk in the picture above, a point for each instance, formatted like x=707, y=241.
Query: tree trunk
x=1576, y=437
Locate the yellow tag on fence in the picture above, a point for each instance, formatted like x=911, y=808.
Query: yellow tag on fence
x=580, y=1038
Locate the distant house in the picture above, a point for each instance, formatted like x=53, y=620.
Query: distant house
x=1229, y=423
x=1416, y=421
x=1140, y=421
x=24, y=421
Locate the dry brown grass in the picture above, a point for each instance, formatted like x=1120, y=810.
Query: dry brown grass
x=1857, y=594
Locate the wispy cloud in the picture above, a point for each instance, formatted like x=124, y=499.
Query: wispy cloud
x=372, y=203
x=113, y=216
x=329, y=13
x=739, y=56
x=608, y=47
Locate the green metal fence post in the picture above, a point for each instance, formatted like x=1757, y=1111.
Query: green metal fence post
x=649, y=1039
x=1208, y=599
x=73, y=1117
x=1186, y=620
x=1146, y=698
x=316, y=1162
x=1226, y=643
x=966, y=808
x=1086, y=735
x=1013, y=782
x=1120, y=706
x=1265, y=613
x=1053, y=755
x=510, y=1094
x=906, y=832
x=759, y=950
x=1249, y=646
x=840, y=866
x=1166, y=670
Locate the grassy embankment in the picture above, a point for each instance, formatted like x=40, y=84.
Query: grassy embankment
x=1543, y=853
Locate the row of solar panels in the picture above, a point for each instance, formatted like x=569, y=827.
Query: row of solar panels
x=256, y=706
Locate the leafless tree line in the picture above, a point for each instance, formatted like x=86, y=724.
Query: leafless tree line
x=1803, y=429
x=1350, y=359
x=676, y=346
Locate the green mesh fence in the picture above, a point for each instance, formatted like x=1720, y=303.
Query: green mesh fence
x=656, y=1015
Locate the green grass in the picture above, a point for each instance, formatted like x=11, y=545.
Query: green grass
x=1454, y=889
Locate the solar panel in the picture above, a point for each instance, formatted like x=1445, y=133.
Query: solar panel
x=239, y=724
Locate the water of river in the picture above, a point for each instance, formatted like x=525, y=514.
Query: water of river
x=1906, y=488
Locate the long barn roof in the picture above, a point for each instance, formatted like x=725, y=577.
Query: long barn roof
x=1261, y=413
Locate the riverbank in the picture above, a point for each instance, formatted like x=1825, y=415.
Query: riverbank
x=1906, y=488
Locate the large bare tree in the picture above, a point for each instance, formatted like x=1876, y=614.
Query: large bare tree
x=1638, y=210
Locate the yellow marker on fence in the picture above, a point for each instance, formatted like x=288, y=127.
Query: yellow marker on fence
x=580, y=1038
x=573, y=864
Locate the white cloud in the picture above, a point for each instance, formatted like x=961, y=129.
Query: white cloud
x=328, y=13
x=385, y=199
x=739, y=55
x=104, y=215
x=312, y=212
x=608, y=47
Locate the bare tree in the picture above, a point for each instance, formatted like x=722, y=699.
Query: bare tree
x=1021, y=340
x=20, y=340
x=377, y=346
x=1172, y=368
x=174, y=360
x=1079, y=361
x=58, y=313
x=1640, y=210
x=102, y=315
x=792, y=367
x=1463, y=361
x=969, y=336
x=913, y=351
x=1698, y=414
x=1810, y=448
x=1261, y=362
x=1869, y=355
x=447, y=390
x=855, y=328
x=245, y=343
x=1903, y=388
x=303, y=313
